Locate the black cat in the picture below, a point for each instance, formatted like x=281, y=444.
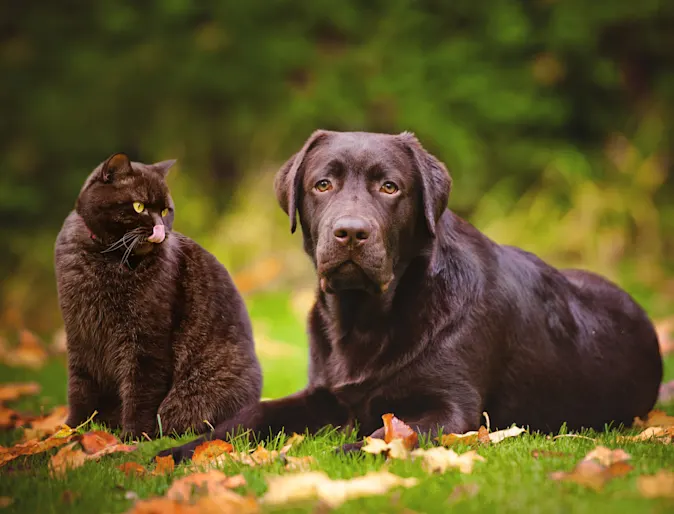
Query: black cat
x=155, y=326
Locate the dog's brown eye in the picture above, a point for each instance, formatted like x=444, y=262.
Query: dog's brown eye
x=389, y=188
x=323, y=185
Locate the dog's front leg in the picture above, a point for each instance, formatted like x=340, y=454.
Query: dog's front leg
x=308, y=410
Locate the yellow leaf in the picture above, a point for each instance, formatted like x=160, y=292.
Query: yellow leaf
x=210, y=483
x=440, y=459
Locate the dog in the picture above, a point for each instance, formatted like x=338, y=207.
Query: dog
x=418, y=313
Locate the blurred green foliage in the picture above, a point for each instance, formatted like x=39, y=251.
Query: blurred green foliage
x=554, y=116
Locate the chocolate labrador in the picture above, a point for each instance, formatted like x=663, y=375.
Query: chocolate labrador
x=420, y=314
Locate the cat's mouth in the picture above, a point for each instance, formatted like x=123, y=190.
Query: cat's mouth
x=157, y=237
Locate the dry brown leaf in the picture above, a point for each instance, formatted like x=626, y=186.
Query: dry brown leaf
x=299, y=463
x=132, y=469
x=660, y=485
x=224, y=504
x=397, y=429
x=67, y=458
x=440, y=459
x=396, y=449
x=46, y=425
x=5, y=501
x=28, y=354
x=165, y=465
x=96, y=441
x=606, y=457
x=210, y=450
x=209, y=483
x=482, y=436
x=654, y=434
x=31, y=448
x=316, y=484
x=656, y=418
x=9, y=418
x=293, y=441
x=597, y=468
x=12, y=391
x=163, y=506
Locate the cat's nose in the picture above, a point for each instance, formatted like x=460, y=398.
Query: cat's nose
x=158, y=234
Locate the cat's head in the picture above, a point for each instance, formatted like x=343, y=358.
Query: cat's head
x=127, y=204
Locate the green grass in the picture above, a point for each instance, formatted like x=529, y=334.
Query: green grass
x=511, y=479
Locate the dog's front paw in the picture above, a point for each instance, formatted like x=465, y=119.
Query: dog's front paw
x=181, y=453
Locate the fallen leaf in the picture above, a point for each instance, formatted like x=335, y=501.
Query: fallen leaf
x=656, y=418
x=316, y=484
x=46, y=425
x=210, y=450
x=165, y=465
x=209, y=483
x=440, y=459
x=660, y=485
x=9, y=418
x=500, y=435
x=395, y=449
x=481, y=436
x=12, y=391
x=68, y=497
x=397, y=429
x=597, y=468
x=299, y=463
x=96, y=441
x=655, y=434
x=66, y=458
x=224, y=504
x=606, y=456
x=5, y=501
x=132, y=469
x=28, y=354
x=293, y=441
x=30, y=448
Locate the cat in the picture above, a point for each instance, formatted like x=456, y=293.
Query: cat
x=157, y=334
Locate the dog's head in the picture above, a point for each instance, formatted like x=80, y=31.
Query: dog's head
x=367, y=203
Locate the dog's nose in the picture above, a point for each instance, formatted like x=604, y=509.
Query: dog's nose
x=351, y=230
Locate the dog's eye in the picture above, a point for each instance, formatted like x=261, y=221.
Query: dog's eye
x=389, y=188
x=323, y=185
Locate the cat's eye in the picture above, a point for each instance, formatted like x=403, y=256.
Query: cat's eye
x=164, y=213
x=138, y=206
x=389, y=188
x=323, y=185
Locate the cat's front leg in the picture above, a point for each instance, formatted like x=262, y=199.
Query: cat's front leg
x=83, y=396
x=140, y=401
x=178, y=414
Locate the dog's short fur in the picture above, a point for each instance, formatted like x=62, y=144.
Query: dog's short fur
x=419, y=314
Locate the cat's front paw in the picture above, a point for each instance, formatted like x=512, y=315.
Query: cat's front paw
x=181, y=453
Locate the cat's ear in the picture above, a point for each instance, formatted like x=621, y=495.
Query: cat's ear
x=163, y=167
x=288, y=180
x=116, y=165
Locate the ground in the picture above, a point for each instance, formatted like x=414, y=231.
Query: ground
x=511, y=479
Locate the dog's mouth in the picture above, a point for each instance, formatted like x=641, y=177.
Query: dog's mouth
x=349, y=276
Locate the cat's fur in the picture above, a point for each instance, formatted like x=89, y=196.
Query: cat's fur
x=157, y=330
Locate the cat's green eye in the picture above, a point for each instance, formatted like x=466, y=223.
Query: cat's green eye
x=164, y=212
x=138, y=206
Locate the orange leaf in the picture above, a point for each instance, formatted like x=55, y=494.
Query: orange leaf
x=211, y=483
x=29, y=354
x=165, y=465
x=31, y=447
x=46, y=425
x=132, y=469
x=396, y=429
x=67, y=458
x=12, y=391
x=660, y=485
x=210, y=450
x=656, y=418
x=96, y=441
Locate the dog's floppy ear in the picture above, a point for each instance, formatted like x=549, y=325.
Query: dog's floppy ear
x=436, y=183
x=288, y=179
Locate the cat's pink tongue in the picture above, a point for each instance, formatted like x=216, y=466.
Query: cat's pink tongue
x=158, y=234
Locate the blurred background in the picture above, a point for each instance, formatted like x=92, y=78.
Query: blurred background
x=553, y=116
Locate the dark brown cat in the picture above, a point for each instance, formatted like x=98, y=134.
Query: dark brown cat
x=154, y=323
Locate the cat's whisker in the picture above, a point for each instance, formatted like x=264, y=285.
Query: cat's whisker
x=127, y=253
